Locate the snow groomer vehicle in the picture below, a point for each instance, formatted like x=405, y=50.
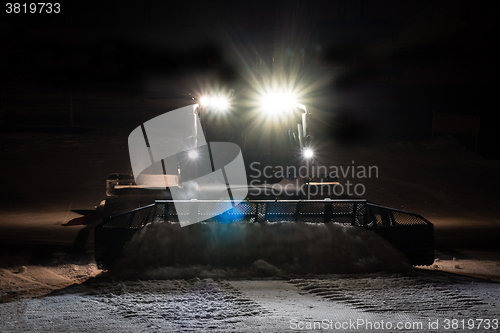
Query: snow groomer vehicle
x=239, y=155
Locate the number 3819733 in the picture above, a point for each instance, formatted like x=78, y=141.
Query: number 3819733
x=32, y=8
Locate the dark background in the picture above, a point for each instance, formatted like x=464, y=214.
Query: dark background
x=373, y=71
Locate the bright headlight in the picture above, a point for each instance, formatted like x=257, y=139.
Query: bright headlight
x=278, y=102
x=215, y=102
x=204, y=101
x=219, y=103
x=308, y=153
x=193, y=154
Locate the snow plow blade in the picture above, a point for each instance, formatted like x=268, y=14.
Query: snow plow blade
x=410, y=233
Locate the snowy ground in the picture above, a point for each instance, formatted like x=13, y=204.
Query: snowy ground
x=258, y=305
x=43, y=287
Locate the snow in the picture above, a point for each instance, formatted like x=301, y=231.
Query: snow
x=104, y=305
x=485, y=269
x=166, y=250
x=35, y=280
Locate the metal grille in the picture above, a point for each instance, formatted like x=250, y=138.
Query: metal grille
x=356, y=212
x=134, y=219
x=380, y=216
x=159, y=213
x=312, y=212
x=342, y=208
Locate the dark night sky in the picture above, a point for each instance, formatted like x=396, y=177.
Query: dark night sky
x=152, y=34
x=383, y=56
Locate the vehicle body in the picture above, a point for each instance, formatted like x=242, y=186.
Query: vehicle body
x=268, y=135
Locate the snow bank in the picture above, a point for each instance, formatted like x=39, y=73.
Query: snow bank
x=166, y=250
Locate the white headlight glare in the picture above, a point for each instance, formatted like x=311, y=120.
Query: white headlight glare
x=223, y=103
x=288, y=101
x=204, y=101
x=193, y=154
x=278, y=102
x=219, y=103
x=215, y=102
x=308, y=153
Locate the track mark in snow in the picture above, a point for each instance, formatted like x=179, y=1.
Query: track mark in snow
x=250, y=305
x=418, y=294
x=197, y=304
x=172, y=305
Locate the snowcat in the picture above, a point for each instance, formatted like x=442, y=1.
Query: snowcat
x=270, y=134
